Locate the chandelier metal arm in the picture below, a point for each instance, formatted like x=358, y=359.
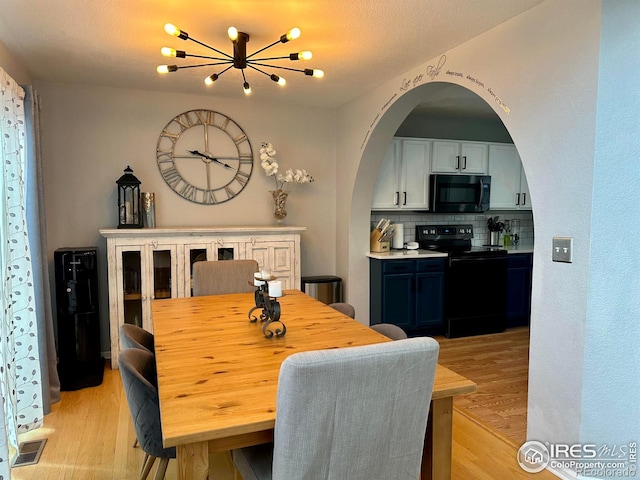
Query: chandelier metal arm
x=226, y=62
x=263, y=49
x=226, y=69
x=287, y=57
x=255, y=68
x=210, y=47
x=252, y=63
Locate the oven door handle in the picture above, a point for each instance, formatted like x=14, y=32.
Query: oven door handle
x=453, y=260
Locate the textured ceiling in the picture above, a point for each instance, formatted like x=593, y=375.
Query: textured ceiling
x=358, y=43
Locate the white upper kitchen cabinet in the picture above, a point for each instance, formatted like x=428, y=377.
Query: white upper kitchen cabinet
x=403, y=178
x=509, y=189
x=385, y=195
x=469, y=158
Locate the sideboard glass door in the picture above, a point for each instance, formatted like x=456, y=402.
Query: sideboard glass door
x=195, y=253
x=162, y=285
x=132, y=284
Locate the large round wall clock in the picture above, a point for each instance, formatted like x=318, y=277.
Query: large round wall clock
x=204, y=156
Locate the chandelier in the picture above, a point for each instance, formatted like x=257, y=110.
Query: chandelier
x=240, y=59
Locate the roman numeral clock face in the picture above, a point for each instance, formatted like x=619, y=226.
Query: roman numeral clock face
x=204, y=156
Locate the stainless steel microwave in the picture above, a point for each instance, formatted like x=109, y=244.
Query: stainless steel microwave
x=460, y=193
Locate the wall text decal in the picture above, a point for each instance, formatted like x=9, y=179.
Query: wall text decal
x=431, y=72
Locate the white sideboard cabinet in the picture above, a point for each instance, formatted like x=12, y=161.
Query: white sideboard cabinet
x=155, y=263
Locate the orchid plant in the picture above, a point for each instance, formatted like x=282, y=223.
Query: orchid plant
x=270, y=166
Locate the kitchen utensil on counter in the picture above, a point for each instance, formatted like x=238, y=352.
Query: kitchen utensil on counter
x=515, y=232
x=398, y=236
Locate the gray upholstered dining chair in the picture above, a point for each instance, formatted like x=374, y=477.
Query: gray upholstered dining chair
x=132, y=336
x=390, y=330
x=355, y=413
x=223, y=276
x=138, y=372
x=345, y=308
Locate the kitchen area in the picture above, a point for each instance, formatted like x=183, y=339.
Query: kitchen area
x=452, y=232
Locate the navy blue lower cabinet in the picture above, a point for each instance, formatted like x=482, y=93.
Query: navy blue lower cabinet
x=519, y=289
x=408, y=293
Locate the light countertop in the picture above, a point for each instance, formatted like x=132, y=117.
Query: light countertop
x=405, y=254
x=411, y=254
x=519, y=249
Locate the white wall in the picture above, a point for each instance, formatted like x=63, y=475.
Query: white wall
x=611, y=396
x=543, y=67
x=91, y=134
x=14, y=67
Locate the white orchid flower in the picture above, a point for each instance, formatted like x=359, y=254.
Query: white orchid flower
x=270, y=166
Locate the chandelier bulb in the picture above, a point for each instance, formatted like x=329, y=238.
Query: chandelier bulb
x=172, y=52
x=232, y=32
x=293, y=33
x=305, y=55
x=314, y=72
x=175, y=31
x=210, y=79
x=247, y=88
x=166, y=68
x=290, y=35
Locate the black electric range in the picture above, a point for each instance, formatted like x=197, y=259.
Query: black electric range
x=475, y=280
x=454, y=240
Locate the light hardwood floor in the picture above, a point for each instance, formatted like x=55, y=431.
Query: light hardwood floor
x=499, y=364
x=90, y=437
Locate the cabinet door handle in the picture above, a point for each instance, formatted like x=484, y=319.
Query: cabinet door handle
x=517, y=199
x=457, y=162
x=396, y=198
x=464, y=162
x=524, y=199
x=154, y=244
x=405, y=198
x=253, y=241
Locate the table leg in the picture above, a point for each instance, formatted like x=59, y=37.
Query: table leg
x=436, y=457
x=193, y=461
x=196, y=462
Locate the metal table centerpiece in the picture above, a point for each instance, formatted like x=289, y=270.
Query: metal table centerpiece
x=266, y=298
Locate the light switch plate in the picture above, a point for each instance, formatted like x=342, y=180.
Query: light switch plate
x=562, y=249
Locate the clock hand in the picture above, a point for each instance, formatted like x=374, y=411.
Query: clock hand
x=204, y=155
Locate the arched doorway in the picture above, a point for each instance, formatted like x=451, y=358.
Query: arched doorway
x=446, y=111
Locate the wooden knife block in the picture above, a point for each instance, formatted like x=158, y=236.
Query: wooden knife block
x=375, y=245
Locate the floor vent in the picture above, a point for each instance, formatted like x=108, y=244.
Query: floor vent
x=29, y=453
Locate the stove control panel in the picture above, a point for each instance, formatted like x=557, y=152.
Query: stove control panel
x=443, y=232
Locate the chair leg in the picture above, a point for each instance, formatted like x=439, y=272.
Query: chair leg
x=162, y=469
x=135, y=443
x=144, y=462
x=146, y=467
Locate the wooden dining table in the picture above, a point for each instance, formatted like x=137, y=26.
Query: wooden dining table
x=218, y=376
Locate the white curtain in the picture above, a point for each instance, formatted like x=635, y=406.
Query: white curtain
x=20, y=374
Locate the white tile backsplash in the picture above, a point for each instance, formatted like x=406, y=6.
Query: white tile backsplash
x=479, y=222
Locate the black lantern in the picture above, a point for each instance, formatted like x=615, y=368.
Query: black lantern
x=129, y=208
